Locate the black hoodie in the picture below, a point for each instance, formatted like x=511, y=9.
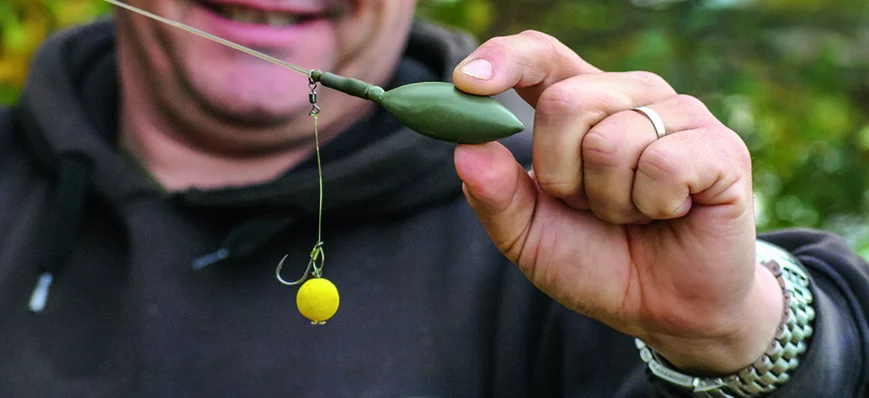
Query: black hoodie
x=174, y=295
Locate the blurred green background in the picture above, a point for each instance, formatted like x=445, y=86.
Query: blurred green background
x=790, y=76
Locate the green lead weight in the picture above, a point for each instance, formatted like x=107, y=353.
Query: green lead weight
x=434, y=109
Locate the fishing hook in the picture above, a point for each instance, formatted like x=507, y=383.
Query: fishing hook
x=316, y=254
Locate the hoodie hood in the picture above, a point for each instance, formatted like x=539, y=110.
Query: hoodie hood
x=68, y=114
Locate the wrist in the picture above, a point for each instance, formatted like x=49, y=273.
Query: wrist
x=773, y=368
x=745, y=339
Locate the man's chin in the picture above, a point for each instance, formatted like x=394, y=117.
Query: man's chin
x=251, y=116
x=251, y=119
x=247, y=108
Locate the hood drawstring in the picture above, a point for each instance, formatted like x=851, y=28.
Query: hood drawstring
x=62, y=224
x=246, y=239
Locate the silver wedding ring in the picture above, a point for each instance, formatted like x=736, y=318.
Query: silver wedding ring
x=657, y=122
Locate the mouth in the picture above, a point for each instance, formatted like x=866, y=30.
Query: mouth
x=252, y=15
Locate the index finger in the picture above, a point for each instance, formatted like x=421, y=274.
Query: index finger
x=529, y=62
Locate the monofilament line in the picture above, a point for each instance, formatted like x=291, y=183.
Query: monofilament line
x=318, y=248
x=211, y=37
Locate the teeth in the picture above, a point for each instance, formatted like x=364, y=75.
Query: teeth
x=281, y=19
x=244, y=14
x=254, y=16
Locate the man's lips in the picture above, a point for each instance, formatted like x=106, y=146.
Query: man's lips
x=258, y=16
x=270, y=14
x=271, y=6
x=275, y=32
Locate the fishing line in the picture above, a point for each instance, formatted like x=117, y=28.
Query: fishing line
x=212, y=37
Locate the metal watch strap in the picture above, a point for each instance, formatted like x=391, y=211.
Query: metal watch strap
x=781, y=358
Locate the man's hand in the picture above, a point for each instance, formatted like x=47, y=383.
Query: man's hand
x=654, y=237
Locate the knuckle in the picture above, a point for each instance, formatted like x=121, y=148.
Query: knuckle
x=603, y=105
x=730, y=147
x=690, y=104
x=497, y=41
x=650, y=80
x=540, y=37
x=599, y=150
x=509, y=44
x=743, y=154
x=658, y=163
x=563, y=99
x=557, y=185
x=558, y=100
x=500, y=44
x=739, y=150
x=550, y=47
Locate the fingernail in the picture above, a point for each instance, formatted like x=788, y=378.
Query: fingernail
x=479, y=69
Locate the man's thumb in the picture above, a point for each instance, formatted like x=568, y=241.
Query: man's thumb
x=500, y=191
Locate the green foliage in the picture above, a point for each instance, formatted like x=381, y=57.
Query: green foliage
x=789, y=76
x=473, y=16
x=24, y=24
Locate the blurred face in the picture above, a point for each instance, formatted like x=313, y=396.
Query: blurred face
x=234, y=102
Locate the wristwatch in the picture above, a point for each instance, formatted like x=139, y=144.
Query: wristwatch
x=781, y=358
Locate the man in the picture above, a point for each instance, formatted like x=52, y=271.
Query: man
x=155, y=206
